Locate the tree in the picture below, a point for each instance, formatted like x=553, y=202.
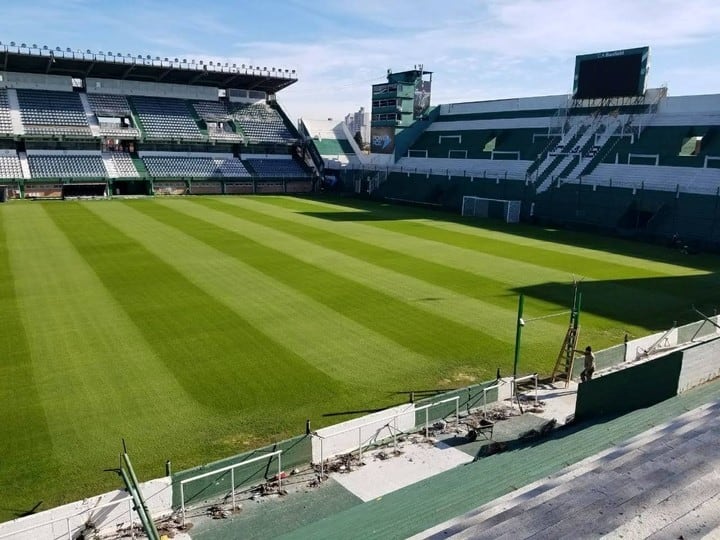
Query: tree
x=358, y=139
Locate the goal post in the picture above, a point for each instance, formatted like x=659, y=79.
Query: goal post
x=507, y=210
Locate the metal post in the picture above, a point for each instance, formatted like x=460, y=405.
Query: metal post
x=69, y=531
x=322, y=461
x=359, y=443
x=426, y=422
x=232, y=486
x=518, y=334
x=182, y=502
x=457, y=411
x=536, y=389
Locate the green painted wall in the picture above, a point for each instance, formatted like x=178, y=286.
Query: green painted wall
x=296, y=452
x=629, y=389
x=470, y=398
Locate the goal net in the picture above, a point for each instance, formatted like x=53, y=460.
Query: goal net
x=508, y=211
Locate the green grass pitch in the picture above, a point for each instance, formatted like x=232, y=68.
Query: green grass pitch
x=198, y=328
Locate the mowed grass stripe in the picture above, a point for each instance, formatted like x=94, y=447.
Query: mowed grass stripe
x=454, y=295
x=518, y=234
x=218, y=358
x=281, y=256
x=95, y=379
x=502, y=270
x=24, y=424
x=657, y=291
x=327, y=339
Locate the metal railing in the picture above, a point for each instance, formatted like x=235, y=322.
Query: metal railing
x=230, y=468
x=427, y=407
x=522, y=379
x=67, y=519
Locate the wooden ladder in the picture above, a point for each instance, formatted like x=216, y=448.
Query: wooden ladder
x=566, y=357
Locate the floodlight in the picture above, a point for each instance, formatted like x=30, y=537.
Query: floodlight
x=34, y=46
x=68, y=49
x=12, y=43
x=23, y=46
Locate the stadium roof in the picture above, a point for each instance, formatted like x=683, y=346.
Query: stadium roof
x=80, y=64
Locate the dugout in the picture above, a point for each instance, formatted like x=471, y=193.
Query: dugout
x=84, y=189
x=132, y=187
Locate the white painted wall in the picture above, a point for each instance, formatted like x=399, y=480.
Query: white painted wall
x=700, y=364
x=346, y=437
x=139, y=88
x=107, y=512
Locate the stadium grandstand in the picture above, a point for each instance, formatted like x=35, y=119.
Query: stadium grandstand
x=618, y=157
x=78, y=123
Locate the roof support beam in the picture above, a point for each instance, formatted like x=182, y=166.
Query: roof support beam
x=197, y=77
x=128, y=71
x=164, y=74
x=90, y=68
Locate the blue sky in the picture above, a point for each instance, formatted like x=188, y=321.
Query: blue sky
x=476, y=49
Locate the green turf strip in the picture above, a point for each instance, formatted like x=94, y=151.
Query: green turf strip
x=648, y=303
x=216, y=356
x=413, y=279
x=324, y=337
x=614, y=252
x=279, y=256
x=26, y=450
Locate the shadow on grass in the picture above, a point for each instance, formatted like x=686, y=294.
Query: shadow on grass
x=656, y=302
x=380, y=211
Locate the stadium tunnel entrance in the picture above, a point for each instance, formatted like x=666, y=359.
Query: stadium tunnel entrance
x=84, y=190
x=132, y=187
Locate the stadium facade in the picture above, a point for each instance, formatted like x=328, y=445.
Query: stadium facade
x=78, y=123
x=613, y=156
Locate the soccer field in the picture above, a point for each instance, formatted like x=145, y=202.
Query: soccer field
x=198, y=328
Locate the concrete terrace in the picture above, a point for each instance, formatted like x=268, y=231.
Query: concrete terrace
x=608, y=477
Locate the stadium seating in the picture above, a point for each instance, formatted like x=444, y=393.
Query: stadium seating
x=261, y=123
x=194, y=167
x=213, y=111
x=686, y=179
x=107, y=106
x=5, y=122
x=276, y=168
x=166, y=118
x=66, y=166
x=123, y=164
x=45, y=112
x=10, y=166
x=512, y=169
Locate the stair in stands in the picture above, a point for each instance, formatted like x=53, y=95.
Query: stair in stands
x=91, y=118
x=112, y=171
x=140, y=166
x=24, y=165
x=15, y=116
x=136, y=121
